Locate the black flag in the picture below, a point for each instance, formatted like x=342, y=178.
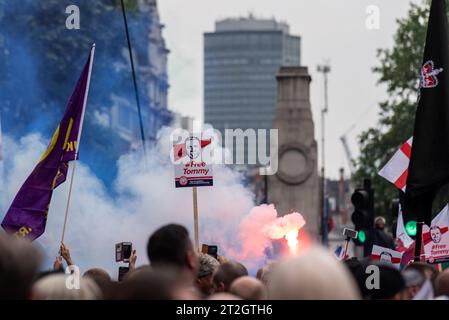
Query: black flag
x=429, y=162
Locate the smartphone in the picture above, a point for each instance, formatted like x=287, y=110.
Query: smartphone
x=210, y=250
x=123, y=251
x=349, y=233
x=127, y=249
x=122, y=271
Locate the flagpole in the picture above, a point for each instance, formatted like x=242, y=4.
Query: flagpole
x=68, y=201
x=136, y=88
x=69, y=197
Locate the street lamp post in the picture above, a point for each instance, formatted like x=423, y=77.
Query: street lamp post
x=324, y=69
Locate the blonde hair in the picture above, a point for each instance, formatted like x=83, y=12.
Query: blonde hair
x=314, y=275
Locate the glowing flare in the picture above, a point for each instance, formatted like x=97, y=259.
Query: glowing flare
x=292, y=240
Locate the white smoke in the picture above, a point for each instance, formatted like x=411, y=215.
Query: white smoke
x=142, y=201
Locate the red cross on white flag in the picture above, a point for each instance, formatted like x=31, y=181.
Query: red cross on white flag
x=396, y=169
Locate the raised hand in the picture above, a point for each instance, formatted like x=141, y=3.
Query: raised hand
x=57, y=265
x=65, y=253
x=132, y=260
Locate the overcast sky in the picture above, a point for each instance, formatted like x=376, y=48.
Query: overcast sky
x=330, y=29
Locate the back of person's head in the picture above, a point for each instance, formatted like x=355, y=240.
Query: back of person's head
x=227, y=273
x=315, y=275
x=223, y=296
x=379, y=223
x=248, y=288
x=442, y=284
x=146, y=283
x=101, y=278
x=427, y=270
x=208, y=265
x=54, y=287
x=391, y=284
x=171, y=245
x=413, y=278
x=357, y=269
x=414, y=281
x=19, y=262
x=266, y=271
x=97, y=274
x=45, y=273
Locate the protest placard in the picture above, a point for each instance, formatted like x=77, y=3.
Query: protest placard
x=386, y=255
x=191, y=166
x=436, y=243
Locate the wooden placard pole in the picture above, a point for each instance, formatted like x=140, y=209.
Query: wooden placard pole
x=195, y=218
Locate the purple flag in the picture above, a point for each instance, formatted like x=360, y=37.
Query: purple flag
x=27, y=215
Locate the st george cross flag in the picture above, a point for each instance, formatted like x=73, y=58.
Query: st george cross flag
x=396, y=170
x=27, y=215
x=442, y=218
x=429, y=161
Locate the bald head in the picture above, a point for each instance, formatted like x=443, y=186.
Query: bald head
x=226, y=274
x=248, y=288
x=442, y=284
x=314, y=275
x=223, y=296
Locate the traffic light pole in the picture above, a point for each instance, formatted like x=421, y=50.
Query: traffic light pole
x=363, y=215
x=418, y=241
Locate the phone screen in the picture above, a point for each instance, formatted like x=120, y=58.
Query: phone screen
x=213, y=251
x=127, y=248
x=122, y=271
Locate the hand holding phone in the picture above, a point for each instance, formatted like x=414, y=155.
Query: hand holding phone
x=210, y=250
x=123, y=251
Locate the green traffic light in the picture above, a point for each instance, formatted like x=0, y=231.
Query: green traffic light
x=361, y=236
x=410, y=228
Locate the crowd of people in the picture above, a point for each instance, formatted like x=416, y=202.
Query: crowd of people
x=177, y=272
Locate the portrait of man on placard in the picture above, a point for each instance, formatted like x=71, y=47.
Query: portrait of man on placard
x=435, y=234
x=193, y=147
x=385, y=257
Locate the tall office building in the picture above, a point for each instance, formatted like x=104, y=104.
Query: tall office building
x=241, y=59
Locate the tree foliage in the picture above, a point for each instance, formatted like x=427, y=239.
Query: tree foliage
x=399, y=72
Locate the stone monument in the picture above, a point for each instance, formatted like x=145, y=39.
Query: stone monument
x=295, y=186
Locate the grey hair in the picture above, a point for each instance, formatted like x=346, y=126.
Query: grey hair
x=207, y=265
